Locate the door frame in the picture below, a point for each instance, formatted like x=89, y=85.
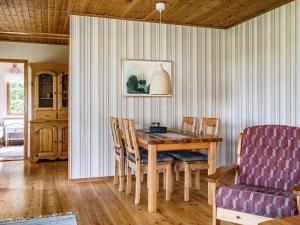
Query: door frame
x=25, y=62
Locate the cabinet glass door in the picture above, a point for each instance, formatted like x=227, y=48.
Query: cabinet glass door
x=64, y=90
x=45, y=95
x=45, y=92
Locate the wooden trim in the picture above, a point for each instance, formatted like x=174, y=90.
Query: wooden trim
x=240, y=217
x=14, y=61
x=37, y=34
x=90, y=179
x=187, y=146
x=25, y=62
x=26, y=110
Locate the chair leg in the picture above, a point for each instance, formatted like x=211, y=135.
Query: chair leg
x=168, y=177
x=191, y=179
x=128, y=184
x=142, y=177
x=137, y=186
x=186, y=182
x=121, y=175
x=177, y=173
x=164, y=180
x=157, y=182
x=172, y=179
x=197, y=178
x=116, y=172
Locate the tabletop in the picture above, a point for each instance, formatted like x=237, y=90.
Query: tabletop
x=174, y=137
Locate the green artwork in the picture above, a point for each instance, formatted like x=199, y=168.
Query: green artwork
x=136, y=86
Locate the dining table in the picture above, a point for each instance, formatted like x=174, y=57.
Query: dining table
x=174, y=141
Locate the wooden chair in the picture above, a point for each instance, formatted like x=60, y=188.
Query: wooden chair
x=137, y=159
x=209, y=126
x=267, y=183
x=194, y=160
x=119, y=154
x=189, y=125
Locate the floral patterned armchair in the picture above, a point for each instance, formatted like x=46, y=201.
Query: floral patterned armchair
x=267, y=177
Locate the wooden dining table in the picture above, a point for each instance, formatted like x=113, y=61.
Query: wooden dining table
x=174, y=141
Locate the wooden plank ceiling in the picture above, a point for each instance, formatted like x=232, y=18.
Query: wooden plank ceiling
x=47, y=21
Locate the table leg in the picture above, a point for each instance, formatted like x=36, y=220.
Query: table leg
x=152, y=178
x=212, y=162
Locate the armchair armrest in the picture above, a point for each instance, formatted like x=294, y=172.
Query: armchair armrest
x=296, y=189
x=221, y=172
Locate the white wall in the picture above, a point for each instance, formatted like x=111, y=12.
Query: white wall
x=4, y=68
x=246, y=75
x=34, y=53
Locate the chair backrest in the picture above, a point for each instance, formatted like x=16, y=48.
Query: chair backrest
x=189, y=125
x=130, y=138
x=210, y=126
x=116, y=133
x=270, y=157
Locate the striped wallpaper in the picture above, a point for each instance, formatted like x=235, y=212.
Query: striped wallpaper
x=246, y=75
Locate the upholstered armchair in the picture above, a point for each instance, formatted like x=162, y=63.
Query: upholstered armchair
x=267, y=177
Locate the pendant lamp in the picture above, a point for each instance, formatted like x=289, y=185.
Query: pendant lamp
x=160, y=82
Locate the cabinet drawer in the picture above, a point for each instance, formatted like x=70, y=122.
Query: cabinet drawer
x=45, y=114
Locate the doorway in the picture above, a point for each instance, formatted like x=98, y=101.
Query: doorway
x=13, y=109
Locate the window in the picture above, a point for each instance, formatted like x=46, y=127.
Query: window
x=15, y=98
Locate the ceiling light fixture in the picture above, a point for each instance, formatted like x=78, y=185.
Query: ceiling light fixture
x=160, y=83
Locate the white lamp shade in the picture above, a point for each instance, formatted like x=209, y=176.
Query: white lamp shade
x=160, y=83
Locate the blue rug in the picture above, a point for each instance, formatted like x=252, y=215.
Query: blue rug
x=51, y=220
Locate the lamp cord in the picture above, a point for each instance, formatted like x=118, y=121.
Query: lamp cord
x=159, y=36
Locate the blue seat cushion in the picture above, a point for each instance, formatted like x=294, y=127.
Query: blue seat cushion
x=118, y=151
x=188, y=156
x=161, y=157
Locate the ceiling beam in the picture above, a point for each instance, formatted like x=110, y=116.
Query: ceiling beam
x=36, y=34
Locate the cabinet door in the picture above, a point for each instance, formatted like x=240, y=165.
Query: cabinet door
x=45, y=95
x=46, y=141
x=63, y=95
x=63, y=141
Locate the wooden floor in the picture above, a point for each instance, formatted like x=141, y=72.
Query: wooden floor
x=30, y=190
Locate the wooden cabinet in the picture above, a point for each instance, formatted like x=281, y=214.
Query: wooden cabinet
x=50, y=96
x=49, y=139
x=49, y=125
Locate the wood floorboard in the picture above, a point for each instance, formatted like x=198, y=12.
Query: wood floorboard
x=30, y=190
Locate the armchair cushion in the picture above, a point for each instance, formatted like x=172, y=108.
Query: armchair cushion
x=257, y=200
x=270, y=157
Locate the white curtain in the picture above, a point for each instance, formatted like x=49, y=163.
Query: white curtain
x=14, y=77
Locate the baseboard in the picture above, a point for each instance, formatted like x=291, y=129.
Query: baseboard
x=91, y=179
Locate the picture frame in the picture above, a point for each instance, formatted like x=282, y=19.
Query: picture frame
x=136, y=75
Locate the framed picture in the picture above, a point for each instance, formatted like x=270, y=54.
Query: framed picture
x=136, y=76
